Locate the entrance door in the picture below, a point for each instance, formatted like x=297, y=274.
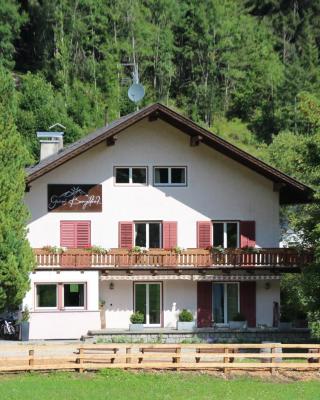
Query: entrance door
x=147, y=300
x=225, y=302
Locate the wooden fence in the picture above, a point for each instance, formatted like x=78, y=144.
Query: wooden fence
x=222, y=357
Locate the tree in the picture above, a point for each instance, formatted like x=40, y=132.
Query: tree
x=16, y=256
x=11, y=21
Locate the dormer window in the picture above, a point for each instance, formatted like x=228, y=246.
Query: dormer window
x=130, y=175
x=170, y=176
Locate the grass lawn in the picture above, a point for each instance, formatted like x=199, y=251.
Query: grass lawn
x=113, y=384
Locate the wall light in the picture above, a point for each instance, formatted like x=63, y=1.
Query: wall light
x=267, y=285
x=111, y=286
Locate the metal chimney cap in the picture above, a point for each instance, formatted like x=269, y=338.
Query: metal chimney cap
x=50, y=134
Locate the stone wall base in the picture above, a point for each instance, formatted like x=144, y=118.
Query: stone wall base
x=227, y=336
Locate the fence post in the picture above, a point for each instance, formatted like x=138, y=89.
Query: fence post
x=177, y=359
x=128, y=351
x=80, y=360
x=226, y=360
x=31, y=358
x=272, y=370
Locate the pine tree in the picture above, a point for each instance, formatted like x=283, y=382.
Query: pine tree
x=16, y=257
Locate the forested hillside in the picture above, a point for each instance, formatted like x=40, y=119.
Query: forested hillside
x=249, y=70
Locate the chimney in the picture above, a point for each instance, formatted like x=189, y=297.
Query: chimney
x=50, y=143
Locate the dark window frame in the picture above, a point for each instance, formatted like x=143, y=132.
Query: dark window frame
x=131, y=167
x=170, y=184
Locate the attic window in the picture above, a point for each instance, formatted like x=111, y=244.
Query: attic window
x=170, y=176
x=131, y=175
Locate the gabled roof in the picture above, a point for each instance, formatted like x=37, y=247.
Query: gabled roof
x=291, y=190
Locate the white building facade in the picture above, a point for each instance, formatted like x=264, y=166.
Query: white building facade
x=121, y=219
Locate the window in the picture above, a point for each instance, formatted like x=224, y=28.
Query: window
x=225, y=302
x=131, y=175
x=46, y=296
x=226, y=234
x=147, y=234
x=75, y=234
x=170, y=176
x=147, y=300
x=72, y=295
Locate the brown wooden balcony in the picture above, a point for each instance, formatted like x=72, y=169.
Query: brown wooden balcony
x=167, y=259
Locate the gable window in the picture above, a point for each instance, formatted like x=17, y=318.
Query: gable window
x=131, y=175
x=147, y=234
x=170, y=176
x=225, y=302
x=226, y=234
x=75, y=234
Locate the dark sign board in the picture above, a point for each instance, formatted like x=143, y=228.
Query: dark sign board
x=74, y=197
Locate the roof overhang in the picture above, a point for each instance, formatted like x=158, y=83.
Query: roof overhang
x=290, y=190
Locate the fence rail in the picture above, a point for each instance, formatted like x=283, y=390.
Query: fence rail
x=198, y=258
x=162, y=356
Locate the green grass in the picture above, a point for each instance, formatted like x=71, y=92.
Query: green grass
x=114, y=384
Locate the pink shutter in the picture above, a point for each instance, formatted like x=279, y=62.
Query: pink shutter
x=68, y=234
x=204, y=236
x=169, y=234
x=204, y=304
x=247, y=233
x=126, y=235
x=248, y=302
x=83, y=234
x=74, y=234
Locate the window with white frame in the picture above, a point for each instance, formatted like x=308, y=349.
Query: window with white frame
x=131, y=175
x=148, y=234
x=226, y=234
x=226, y=304
x=147, y=300
x=72, y=295
x=47, y=295
x=170, y=176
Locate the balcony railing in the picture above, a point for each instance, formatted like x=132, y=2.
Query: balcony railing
x=190, y=258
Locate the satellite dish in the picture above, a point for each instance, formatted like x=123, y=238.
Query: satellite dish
x=136, y=92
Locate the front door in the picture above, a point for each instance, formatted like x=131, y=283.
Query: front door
x=147, y=300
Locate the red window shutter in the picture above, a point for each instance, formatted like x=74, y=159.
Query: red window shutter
x=248, y=302
x=169, y=234
x=204, y=304
x=68, y=234
x=83, y=233
x=126, y=235
x=74, y=234
x=204, y=236
x=247, y=233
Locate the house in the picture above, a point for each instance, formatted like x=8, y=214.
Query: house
x=189, y=221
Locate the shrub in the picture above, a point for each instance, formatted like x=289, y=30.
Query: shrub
x=25, y=315
x=185, y=316
x=137, y=318
x=238, y=317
